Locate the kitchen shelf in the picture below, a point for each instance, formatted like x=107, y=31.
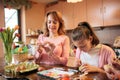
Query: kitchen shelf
x=33, y=36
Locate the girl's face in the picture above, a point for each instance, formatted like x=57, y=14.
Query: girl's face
x=84, y=44
x=52, y=24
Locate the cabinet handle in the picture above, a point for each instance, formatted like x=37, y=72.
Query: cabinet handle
x=104, y=9
x=101, y=11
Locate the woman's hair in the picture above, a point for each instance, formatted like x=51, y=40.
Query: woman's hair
x=84, y=31
x=58, y=17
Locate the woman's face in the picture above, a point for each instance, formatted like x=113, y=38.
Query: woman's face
x=84, y=45
x=52, y=24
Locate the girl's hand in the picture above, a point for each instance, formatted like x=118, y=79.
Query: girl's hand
x=86, y=68
x=116, y=64
x=77, y=62
x=111, y=72
x=111, y=76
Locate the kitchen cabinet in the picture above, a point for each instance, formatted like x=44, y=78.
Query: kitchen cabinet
x=66, y=10
x=54, y=7
x=72, y=13
x=111, y=12
x=103, y=12
x=94, y=12
x=68, y=15
x=79, y=12
x=97, y=12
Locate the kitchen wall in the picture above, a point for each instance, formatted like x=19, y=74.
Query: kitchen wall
x=34, y=18
x=1, y=25
x=108, y=34
x=30, y=19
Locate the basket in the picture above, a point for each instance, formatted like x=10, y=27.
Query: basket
x=20, y=57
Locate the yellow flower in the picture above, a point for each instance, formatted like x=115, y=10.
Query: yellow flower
x=8, y=28
x=20, y=49
x=7, y=35
x=16, y=27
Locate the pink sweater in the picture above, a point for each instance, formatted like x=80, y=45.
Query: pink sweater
x=62, y=48
x=106, y=54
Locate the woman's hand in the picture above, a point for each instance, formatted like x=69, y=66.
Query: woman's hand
x=38, y=54
x=40, y=49
x=47, y=47
x=55, y=57
x=86, y=68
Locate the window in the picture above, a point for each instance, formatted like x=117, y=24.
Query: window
x=12, y=19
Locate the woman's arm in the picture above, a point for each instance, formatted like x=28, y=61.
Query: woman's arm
x=65, y=53
x=39, y=49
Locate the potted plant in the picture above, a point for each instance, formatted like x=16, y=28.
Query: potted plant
x=7, y=36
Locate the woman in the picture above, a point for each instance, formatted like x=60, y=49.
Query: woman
x=93, y=56
x=53, y=45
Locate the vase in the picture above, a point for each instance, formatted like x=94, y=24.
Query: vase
x=8, y=54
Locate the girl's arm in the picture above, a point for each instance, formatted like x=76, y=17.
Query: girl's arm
x=89, y=68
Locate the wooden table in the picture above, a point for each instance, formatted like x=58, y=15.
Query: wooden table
x=34, y=76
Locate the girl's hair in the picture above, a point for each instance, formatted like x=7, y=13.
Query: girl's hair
x=84, y=31
x=58, y=17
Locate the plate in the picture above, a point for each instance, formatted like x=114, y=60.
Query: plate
x=21, y=67
x=29, y=69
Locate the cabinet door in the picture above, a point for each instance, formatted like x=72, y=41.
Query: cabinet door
x=94, y=13
x=111, y=12
x=79, y=12
x=54, y=7
x=68, y=15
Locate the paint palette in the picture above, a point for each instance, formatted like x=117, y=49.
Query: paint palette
x=55, y=73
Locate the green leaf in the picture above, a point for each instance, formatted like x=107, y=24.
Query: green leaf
x=20, y=42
